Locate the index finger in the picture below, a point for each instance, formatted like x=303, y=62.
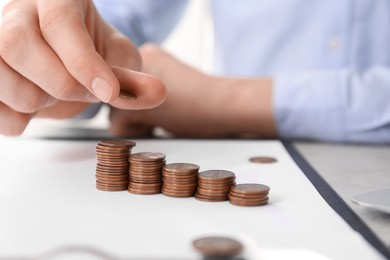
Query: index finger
x=74, y=30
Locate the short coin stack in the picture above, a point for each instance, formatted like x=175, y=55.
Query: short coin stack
x=214, y=185
x=145, y=173
x=180, y=179
x=113, y=165
x=249, y=194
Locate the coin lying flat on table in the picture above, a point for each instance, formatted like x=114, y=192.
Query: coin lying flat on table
x=262, y=159
x=217, y=246
x=249, y=194
x=112, y=169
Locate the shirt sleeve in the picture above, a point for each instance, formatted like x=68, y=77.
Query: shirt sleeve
x=142, y=20
x=339, y=106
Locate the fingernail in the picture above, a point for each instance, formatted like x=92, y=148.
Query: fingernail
x=102, y=89
x=127, y=95
x=91, y=98
x=50, y=101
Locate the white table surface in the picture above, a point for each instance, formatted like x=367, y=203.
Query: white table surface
x=48, y=200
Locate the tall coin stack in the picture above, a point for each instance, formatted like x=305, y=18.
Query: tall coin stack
x=214, y=185
x=113, y=165
x=145, y=173
x=249, y=194
x=180, y=179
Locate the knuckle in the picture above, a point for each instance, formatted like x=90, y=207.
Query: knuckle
x=32, y=104
x=66, y=89
x=16, y=124
x=51, y=19
x=12, y=41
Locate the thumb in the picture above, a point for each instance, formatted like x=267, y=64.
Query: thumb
x=138, y=90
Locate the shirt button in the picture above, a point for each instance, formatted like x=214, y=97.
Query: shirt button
x=334, y=43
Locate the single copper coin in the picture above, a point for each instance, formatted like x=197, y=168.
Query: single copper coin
x=190, y=179
x=143, y=192
x=246, y=203
x=181, y=167
x=248, y=196
x=262, y=159
x=113, y=182
x=212, y=192
x=217, y=246
x=210, y=199
x=180, y=185
x=147, y=156
x=145, y=185
x=112, y=178
x=110, y=187
x=216, y=176
x=177, y=194
x=216, y=185
x=117, y=143
x=250, y=188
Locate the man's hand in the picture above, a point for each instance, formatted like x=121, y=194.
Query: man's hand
x=199, y=105
x=58, y=56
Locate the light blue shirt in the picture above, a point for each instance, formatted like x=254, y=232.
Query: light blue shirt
x=330, y=59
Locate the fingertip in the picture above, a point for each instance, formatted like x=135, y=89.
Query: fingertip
x=138, y=90
x=103, y=90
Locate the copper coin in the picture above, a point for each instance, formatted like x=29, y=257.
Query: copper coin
x=147, y=156
x=212, y=192
x=181, y=179
x=113, y=182
x=180, y=185
x=215, y=186
x=248, y=196
x=177, y=194
x=110, y=188
x=216, y=176
x=111, y=174
x=250, y=188
x=117, y=143
x=111, y=178
x=217, y=246
x=147, y=163
x=146, y=168
x=145, y=185
x=106, y=147
x=143, y=192
x=248, y=203
x=263, y=159
x=145, y=181
x=178, y=189
x=180, y=176
x=110, y=151
x=113, y=157
x=210, y=199
x=181, y=167
x=114, y=163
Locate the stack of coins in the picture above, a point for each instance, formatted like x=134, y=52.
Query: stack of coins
x=214, y=185
x=145, y=173
x=180, y=179
x=113, y=166
x=249, y=194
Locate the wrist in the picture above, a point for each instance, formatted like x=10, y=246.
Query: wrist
x=241, y=107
